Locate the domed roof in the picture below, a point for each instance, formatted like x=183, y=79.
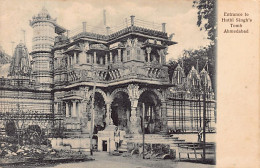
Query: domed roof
x=193, y=78
x=20, y=65
x=44, y=13
x=178, y=76
x=205, y=79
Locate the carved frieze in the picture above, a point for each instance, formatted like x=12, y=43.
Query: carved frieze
x=84, y=47
x=98, y=47
x=133, y=43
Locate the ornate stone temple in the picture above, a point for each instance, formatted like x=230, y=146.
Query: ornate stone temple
x=124, y=71
x=128, y=68
x=20, y=100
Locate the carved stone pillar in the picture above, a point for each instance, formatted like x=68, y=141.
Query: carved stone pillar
x=134, y=120
x=95, y=57
x=164, y=116
x=111, y=58
x=109, y=120
x=148, y=50
x=68, y=60
x=119, y=55
x=67, y=109
x=74, y=113
x=133, y=92
x=75, y=58
x=79, y=110
x=84, y=119
x=106, y=59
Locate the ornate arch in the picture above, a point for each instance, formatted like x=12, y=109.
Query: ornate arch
x=113, y=94
x=155, y=91
x=106, y=99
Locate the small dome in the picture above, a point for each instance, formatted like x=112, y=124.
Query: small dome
x=44, y=13
x=178, y=77
x=193, y=78
x=205, y=79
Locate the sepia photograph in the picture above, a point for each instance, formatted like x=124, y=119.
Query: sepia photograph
x=115, y=83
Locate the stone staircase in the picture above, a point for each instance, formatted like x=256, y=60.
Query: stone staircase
x=173, y=141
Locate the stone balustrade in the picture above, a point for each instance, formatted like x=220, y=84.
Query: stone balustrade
x=117, y=73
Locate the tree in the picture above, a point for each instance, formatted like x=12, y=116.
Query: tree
x=10, y=128
x=207, y=54
x=207, y=21
x=201, y=58
x=172, y=64
x=207, y=17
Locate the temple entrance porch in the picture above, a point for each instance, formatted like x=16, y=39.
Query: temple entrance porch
x=152, y=112
x=120, y=111
x=99, y=111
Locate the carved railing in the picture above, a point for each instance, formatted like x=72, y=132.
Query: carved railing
x=83, y=75
x=158, y=73
x=118, y=72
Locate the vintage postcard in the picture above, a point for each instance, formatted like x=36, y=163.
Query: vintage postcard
x=159, y=83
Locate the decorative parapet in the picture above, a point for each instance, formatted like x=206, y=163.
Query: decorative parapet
x=132, y=29
x=90, y=35
x=82, y=75
x=141, y=72
x=116, y=73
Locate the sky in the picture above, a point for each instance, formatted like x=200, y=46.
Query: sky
x=179, y=15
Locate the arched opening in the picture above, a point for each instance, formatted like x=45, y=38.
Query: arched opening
x=152, y=112
x=121, y=107
x=99, y=109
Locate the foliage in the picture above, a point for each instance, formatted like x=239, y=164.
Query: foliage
x=203, y=58
x=33, y=135
x=10, y=128
x=206, y=55
x=172, y=64
x=207, y=21
x=207, y=17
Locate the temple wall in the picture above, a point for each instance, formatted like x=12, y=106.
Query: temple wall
x=26, y=108
x=187, y=115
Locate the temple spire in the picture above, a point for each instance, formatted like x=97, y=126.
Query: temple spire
x=20, y=65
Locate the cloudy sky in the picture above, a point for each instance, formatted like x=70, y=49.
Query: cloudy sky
x=179, y=16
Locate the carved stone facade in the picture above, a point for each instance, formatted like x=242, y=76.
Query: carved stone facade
x=125, y=73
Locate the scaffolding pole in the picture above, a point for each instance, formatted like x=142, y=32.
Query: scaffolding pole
x=92, y=112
